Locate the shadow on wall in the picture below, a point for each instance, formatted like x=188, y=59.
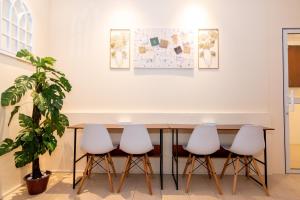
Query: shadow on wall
x=165, y=71
x=2, y=122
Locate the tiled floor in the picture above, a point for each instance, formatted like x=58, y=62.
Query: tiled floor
x=281, y=187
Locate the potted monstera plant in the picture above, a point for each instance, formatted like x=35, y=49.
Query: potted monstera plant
x=47, y=87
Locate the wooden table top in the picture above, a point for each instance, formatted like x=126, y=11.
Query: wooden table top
x=221, y=127
x=120, y=126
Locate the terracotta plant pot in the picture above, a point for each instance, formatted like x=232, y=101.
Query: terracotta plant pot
x=37, y=186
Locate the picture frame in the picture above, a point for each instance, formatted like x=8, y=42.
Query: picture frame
x=119, y=52
x=208, y=48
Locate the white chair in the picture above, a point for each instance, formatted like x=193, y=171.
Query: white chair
x=248, y=142
x=96, y=142
x=204, y=141
x=136, y=142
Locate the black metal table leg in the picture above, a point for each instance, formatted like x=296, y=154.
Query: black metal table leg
x=172, y=153
x=177, y=158
x=74, y=157
x=173, y=159
x=161, y=141
x=265, y=160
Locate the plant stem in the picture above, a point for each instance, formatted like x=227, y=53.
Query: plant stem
x=36, y=117
x=36, y=171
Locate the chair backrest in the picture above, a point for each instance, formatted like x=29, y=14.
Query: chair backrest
x=204, y=140
x=96, y=139
x=135, y=139
x=249, y=140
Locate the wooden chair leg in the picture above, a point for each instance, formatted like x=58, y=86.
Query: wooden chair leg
x=214, y=174
x=209, y=170
x=112, y=164
x=188, y=162
x=127, y=170
x=188, y=181
x=236, y=171
x=149, y=165
x=246, y=166
x=225, y=165
x=89, y=172
x=111, y=186
x=84, y=175
x=124, y=173
x=260, y=177
x=147, y=176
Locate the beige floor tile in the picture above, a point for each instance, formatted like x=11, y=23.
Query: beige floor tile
x=141, y=189
x=282, y=187
x=170, y=191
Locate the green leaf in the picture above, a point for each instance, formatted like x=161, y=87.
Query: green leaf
x=25, y=121
x=54, y=97
x=61, y=124
x=65, y=83
x=6, y=146
x=27, y=136
x=24, y=53
x=39, y=101
x=13, y=94
x=48, y=61
x=22, y=158
x=12, y=114
x=50, y=142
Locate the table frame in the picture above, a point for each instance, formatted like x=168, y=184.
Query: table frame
x=175, y=130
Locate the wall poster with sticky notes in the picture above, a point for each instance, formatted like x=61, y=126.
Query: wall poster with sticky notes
x=163, y=48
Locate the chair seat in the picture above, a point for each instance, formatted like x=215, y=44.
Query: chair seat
x=228, y=148
x=202, y=151
x=221, y=153
x=137, y=151
x=103, y=151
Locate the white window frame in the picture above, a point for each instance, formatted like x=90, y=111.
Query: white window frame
x=9, y=48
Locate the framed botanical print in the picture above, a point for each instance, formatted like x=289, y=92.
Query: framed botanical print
x=208, y=48
x=119, y=48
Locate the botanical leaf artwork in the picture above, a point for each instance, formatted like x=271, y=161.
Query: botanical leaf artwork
x=119, y=49
x=163, y=48
x=208, y=48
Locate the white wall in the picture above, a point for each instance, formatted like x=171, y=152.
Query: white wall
x=249, y=80
x=10, y=176
x=80, y=42
x=10, y=68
